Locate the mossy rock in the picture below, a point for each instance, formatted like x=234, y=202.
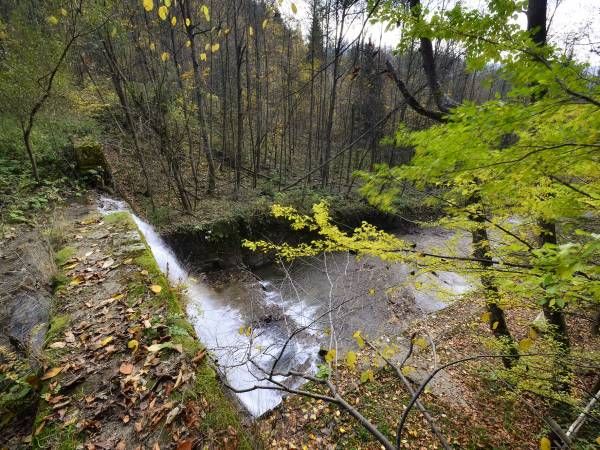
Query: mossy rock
x=90, y=161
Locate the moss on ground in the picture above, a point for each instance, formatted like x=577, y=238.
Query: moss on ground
x=58, y=324
x=120, y=218
x=63, y=255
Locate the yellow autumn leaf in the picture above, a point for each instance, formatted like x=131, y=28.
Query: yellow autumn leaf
x=525, y=344
x=351, y=359
x=420, y=342
x=133, y=345
x=163, y=11
x=265, y=23
x=367, y=375
x=63, y=12
x=188, y=44
x=533, y=334
x=188, y=22
x=407, y=370
x=251, y=31
x=330, y=355
x=206, y=13
x=167, y=3
x=215, y=47
x=148, y=5
x=359, y=339
x=207, y=46
x=485, y=317
x=545, y=444
x=165, y=57
x=371, y=292
x=107, y=340
x=52, y=20
x=226, y=31
x=495, y=325
x=155, y=287
x=152, y=46
x=202, y=56
x=294, y=8
x=173, y=21
x=51, y=373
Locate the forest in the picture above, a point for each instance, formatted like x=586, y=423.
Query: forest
x=337, y=224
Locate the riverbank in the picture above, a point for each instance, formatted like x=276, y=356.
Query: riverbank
x=121, y=366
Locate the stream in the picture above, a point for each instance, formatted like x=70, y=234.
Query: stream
x=247, y=325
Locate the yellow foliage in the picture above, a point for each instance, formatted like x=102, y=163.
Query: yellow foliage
x=351, y=359
x=148, y=5
x=204, y=10
x=163, y=11
x=330, y=356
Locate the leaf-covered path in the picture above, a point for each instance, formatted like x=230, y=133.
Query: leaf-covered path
x=123, y=368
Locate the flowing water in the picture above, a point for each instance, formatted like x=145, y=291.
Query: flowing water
x=246, y=326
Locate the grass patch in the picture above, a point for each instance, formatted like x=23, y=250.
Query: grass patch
x=221, y=414
x=63, y=255
x=54, y=435
x=120, y=218
x=58, y=324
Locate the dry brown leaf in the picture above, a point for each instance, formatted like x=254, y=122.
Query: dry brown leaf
x=39, y=428
x=126, y=368
x=172, y=414
x=185, y=445
x=69, y=337
x=58, y=344
x=157, y=347
x=109, y=262
x=52, y=373
x=121, y=446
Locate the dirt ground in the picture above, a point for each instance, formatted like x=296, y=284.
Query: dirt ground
x=121, y=367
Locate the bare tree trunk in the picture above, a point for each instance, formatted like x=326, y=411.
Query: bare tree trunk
x=186, y=12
